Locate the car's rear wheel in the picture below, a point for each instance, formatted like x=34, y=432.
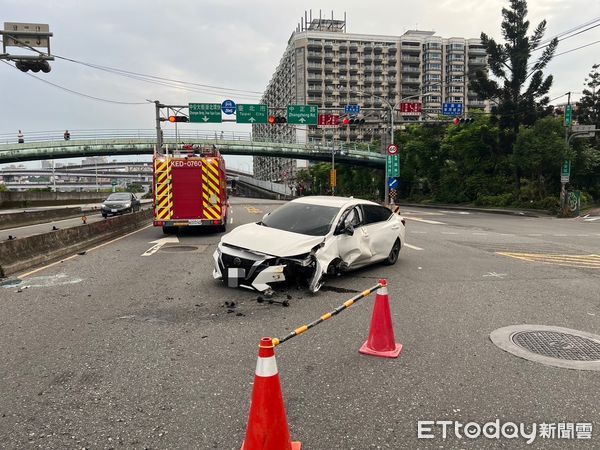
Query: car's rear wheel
x=394, y=252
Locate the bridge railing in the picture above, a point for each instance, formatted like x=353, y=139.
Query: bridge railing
x=181, y=136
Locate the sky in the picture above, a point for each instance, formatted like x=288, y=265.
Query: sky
x=234, y=45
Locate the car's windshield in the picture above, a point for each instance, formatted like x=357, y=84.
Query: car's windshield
x=302, y=218
x=119, y=196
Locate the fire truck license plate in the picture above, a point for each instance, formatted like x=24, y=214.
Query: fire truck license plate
x=195, y=222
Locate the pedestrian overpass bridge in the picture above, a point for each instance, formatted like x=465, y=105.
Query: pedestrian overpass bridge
x=85, y=143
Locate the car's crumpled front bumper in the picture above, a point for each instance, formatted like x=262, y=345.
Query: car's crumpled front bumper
x=249, y=269
x=239, y=268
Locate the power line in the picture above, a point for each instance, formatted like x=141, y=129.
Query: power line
x=122, y=71
x=76, y=92
x=567, y=37
x=585, y=24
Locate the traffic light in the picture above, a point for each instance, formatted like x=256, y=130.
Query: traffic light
x=173, y=119
x=34, y=66
x=463, y=121
x=273, y=120
x=353, y=120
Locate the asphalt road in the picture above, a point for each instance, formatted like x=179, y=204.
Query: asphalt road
x=113, y=349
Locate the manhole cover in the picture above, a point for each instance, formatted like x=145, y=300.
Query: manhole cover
x=553, y=346
x=558, y=345
x=179, y=248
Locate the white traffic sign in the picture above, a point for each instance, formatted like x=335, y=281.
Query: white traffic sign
x=392, y=149
x=588, y=129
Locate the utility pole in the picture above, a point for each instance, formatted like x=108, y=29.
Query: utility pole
x=567, y=123
x=332, y=176
x=159, y=142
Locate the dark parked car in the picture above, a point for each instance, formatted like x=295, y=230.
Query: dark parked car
x=120, y=203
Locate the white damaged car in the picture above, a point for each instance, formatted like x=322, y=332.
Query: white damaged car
x=309, y=238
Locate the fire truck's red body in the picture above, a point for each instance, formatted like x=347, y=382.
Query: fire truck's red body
x=190, y=189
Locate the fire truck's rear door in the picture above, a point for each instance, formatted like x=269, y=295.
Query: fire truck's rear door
x=187, y=192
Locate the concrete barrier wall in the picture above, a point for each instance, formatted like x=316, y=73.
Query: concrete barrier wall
x=21, y=219
x=31, y=251
x=15, y=199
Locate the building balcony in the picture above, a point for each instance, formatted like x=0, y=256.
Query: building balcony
x=414, y=59
x=476, y=51
x=411, y=80
x=477, y=61
x=410, y=69
x=476, y=104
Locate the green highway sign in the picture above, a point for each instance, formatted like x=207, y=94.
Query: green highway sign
x=568, y=115
x=205, y=112
x=302, y=114
x=393, y=166
x=252, y=113
x=565, y=170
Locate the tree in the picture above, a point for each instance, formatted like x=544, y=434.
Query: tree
x=540, y=151
x=589, y=105
x=509, y=63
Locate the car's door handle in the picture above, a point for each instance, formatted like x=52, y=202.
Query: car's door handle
x=395, y=227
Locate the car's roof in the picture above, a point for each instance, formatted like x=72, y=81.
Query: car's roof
x=338, y=202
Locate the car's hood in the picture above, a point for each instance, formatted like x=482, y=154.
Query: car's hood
x=270, y=240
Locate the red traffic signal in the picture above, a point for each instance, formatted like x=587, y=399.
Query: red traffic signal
x=346, y=121
x=276, y=119
x=455, y=121
x=173, y=119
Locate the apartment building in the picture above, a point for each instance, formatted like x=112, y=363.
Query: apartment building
x=325, y=65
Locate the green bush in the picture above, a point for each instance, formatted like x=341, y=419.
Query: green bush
x=495, y=200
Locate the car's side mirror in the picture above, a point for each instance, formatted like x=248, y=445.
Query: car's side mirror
x=265, y=216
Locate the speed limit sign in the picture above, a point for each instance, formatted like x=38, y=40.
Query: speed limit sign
x=392, y=149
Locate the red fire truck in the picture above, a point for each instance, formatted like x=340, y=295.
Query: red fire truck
x=190, y=189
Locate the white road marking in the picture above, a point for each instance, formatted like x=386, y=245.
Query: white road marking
x=506, y=234
x=480, y=234
x=582, y=235
x=413, y=247
x=495, y=275
x=418, y=232
x=534, y=234
x=159, y=243
x=26, y=274
x=448, y=232
x=433, y=222
x=455, y=212
x=559, y=235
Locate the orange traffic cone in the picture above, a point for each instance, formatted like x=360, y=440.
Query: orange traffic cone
x=267, y=424
x=382, y=341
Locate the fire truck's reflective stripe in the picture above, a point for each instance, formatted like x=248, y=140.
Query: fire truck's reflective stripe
x=209, y=213
x=214, y=188
x=216, y=206
x=213, y=168
x=165, y=203
x=163, y=194
x=213, y=180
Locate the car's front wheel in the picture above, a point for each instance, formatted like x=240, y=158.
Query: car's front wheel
x=394, y=252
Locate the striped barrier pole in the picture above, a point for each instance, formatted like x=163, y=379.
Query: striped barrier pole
x=298, y=331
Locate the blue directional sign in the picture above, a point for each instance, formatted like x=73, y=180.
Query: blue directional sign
x=452, y=109
x=393, y=183
x=351, y=109
x=228, y=107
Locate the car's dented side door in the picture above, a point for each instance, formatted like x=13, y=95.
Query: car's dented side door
x=353, y=238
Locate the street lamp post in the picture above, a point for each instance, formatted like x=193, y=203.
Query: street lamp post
x=331, y=179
